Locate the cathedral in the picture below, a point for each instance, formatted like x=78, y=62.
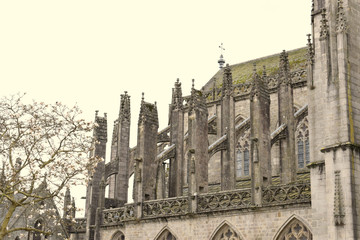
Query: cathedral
x=267, y=149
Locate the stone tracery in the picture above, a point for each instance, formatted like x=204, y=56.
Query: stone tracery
x=302, y=143
x=295, y=230
x=226, y=233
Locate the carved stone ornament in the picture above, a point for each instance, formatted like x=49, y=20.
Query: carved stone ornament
x=177, y=100
x=341, y=22
x=124, y=114
x=227, y=81
x=310, y=52
x=338, y=201
x=284, y=69
x=324, y=28
x=259, y=89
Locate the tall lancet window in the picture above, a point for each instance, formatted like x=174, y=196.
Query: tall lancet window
x=246, y=160
x=243, y=155
x=238, y=161
x=302, y=139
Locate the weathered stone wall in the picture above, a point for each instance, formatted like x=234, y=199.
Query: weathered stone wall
x=250, y=225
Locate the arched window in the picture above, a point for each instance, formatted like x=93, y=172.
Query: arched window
x=243, y=155
x=118, y=236
x=39, y=226
x=295, y=230
x=302, y=144
x=166, y=235
x=226, y=233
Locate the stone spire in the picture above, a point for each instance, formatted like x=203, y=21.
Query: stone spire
x=124, y=113
x=148, y=112
x=284, y=68
x=258, y=85
x=73, y=208
x=177, y=100
x=67, y=203
x=227, y=81
x=197, y=99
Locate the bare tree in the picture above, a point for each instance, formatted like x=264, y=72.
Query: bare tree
x=40, y=144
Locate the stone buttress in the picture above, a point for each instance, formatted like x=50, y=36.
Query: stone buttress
x=146, y=166
x=95, y=190
x=176, y=174
x=260, y=158
x=286, y=117
x=123, y=140
x=228, y=128
x=198, y=144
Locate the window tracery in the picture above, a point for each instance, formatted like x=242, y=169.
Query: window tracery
x=243, y=155
x=302, y=143
x=295, y=230
x=118, y=236
x=166, y=235
x=226, y=233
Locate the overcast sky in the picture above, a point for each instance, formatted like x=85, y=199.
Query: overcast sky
x=89, y=52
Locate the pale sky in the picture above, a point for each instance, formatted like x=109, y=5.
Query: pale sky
x=89, y=52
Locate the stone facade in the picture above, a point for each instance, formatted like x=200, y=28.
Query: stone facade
x=258, y=153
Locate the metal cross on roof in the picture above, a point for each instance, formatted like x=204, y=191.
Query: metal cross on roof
x=222, y=48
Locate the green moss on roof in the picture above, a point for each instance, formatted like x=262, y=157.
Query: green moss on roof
x=242, y=72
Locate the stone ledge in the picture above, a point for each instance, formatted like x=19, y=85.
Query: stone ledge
x=343, y=146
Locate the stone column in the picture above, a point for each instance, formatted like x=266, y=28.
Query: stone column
x=286, y=116
x=228, y=169
x=177, y=137
x=260, y=138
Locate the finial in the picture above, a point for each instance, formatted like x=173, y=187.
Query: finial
x=142, y=96
x=193, y=83
x=155, y=104
x=125, y=92
x=177, y=80
x=341, y=22
x=221, y=60
x=324, y=28
x=105, y=115
x=96, y=113
x=264, y=71
x=308, y=39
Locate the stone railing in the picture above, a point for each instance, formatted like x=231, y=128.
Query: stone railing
x=79, y=225
x=165, y=207
x=116, y=215
x=209, y=202
x=286, y=194
x=228, y=200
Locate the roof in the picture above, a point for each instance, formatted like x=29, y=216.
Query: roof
x=242, y=72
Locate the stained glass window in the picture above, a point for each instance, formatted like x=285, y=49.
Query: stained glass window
x=246, y=162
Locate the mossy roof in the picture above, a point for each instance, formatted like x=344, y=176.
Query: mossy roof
x=242, y=72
